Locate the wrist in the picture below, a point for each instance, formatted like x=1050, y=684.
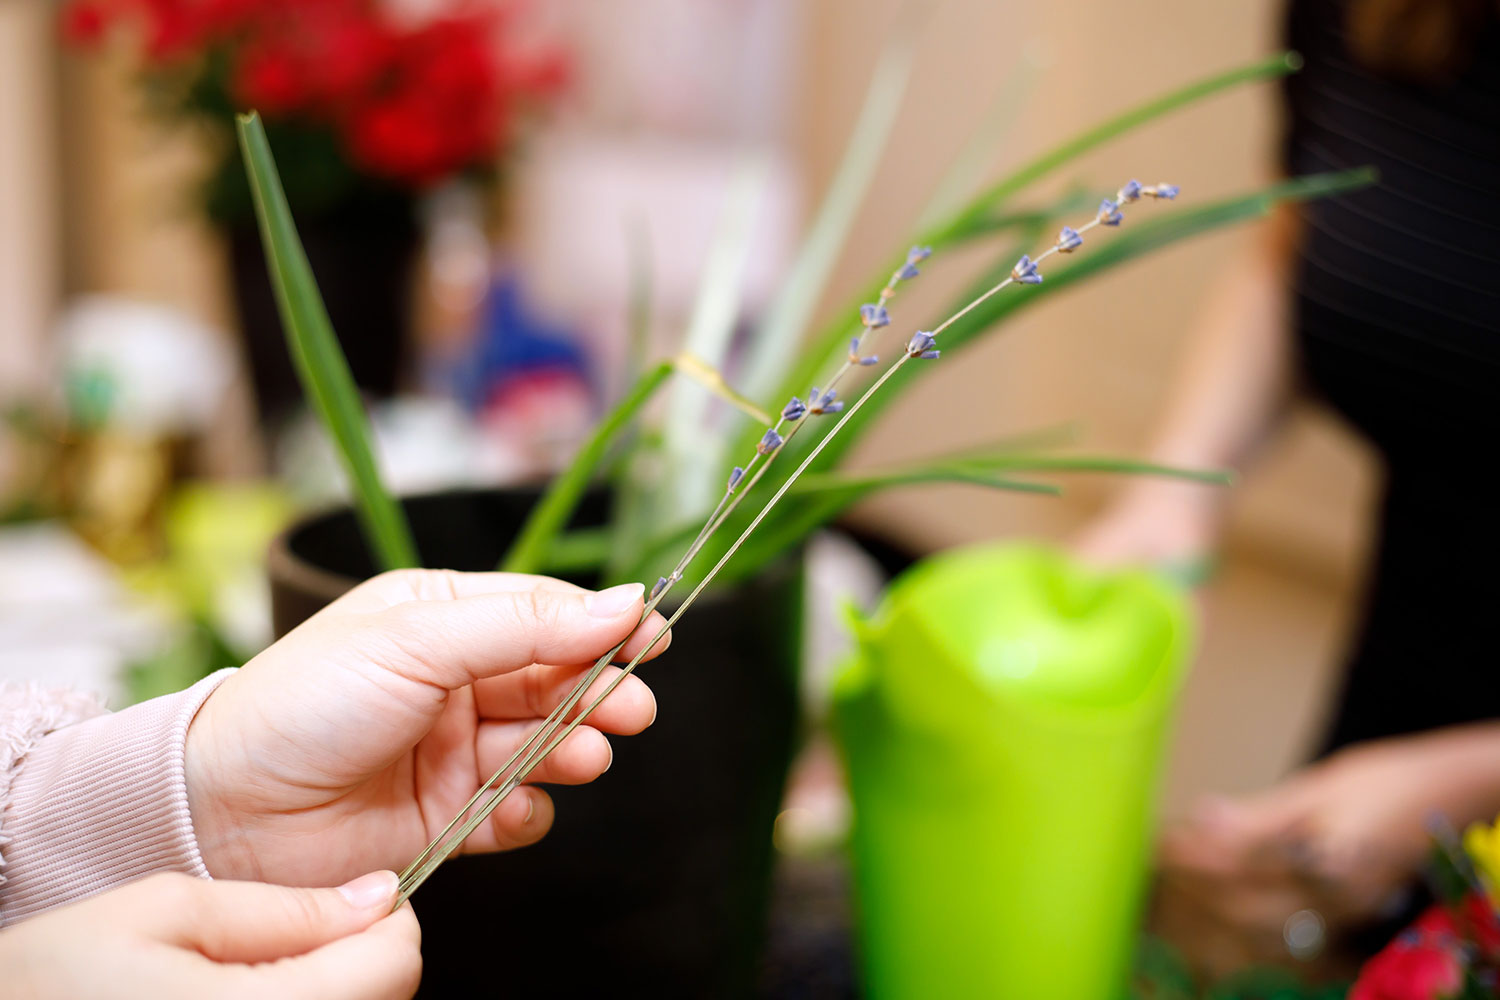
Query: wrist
x=219, y=828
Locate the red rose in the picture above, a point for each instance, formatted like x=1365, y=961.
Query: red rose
x=1422, y=963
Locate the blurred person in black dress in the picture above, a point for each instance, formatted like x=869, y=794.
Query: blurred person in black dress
x=1385, y=304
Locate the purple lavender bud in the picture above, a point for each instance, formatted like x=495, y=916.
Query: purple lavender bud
x=929, y=355
x=825, y=403
x=907, y=272
x=918, y=254
x=795, y=410
x=769, y=442
x=920, y=343
x=661, y=584
x=1162, y=190
x=1025, y=271
x=1130, y=192
x=874, y=316
x=735, y=475
x=855, y=358
x=1068, y=240
x=1109, y=213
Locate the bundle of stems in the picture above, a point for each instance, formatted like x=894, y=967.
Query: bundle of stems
x=922, y=346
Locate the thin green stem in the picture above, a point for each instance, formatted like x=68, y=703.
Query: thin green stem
x=552, y=732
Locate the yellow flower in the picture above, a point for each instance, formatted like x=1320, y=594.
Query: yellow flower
x=1482, y=842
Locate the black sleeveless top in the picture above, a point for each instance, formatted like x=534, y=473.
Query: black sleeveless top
x=1397, y=311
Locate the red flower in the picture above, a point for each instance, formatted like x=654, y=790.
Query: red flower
x=84, y=23
x=271, y=80
x=440, y=108
x=349, y=55
x=1422, y=963
x=409, y=103
x=400, y=139
x=1481, y=925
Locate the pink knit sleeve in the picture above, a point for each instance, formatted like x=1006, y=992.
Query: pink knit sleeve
x=98, y=804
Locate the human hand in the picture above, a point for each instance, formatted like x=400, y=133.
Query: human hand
x=1344, y=838
x=350, y=743
x=173, y=936
x=1166, y=526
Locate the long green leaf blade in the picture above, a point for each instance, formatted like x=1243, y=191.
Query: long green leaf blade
x=1266, y=69
x=970, y=220
x=777, y=338
x=529, y=552
x=1143, y=237
x=320, y=363
x=538, y=537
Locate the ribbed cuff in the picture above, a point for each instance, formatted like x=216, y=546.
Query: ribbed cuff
x=102, y=803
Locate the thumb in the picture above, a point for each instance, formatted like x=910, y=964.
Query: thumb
x=255, y=922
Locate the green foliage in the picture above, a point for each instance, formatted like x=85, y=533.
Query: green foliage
x=319, y=361
x=1161, y=974
x=648, y=529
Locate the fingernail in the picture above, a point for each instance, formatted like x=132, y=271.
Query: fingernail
x=370, y=891
x=610, y=603
x=530, y=808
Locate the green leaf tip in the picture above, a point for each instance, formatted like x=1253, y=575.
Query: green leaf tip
x=317, y=358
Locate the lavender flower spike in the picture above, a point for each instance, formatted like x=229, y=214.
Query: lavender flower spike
x=918, y=254
x=795, y=410
x=1130, y=192
x=1109, y=213
x=907, y=272
x=1162, y=190
x=769, y=442
x=855, y=358
x=1068, y=240
x=825, y=403
x=660, y=585
x=921, y=343
x=735, y=475
x=874, y=316
x=1025, y=271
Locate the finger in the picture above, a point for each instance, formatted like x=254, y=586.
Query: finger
x=254, y=922
x=454, y=643
x=521, y=820
x=402, y=585
x=381, y=963
x=1258, y=834
x=579, y=759
x=534, y=692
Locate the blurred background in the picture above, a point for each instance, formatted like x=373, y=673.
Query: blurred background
x=138, y=424
x=98, y=199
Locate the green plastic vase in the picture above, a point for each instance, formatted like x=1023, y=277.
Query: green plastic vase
x=1003, y=723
